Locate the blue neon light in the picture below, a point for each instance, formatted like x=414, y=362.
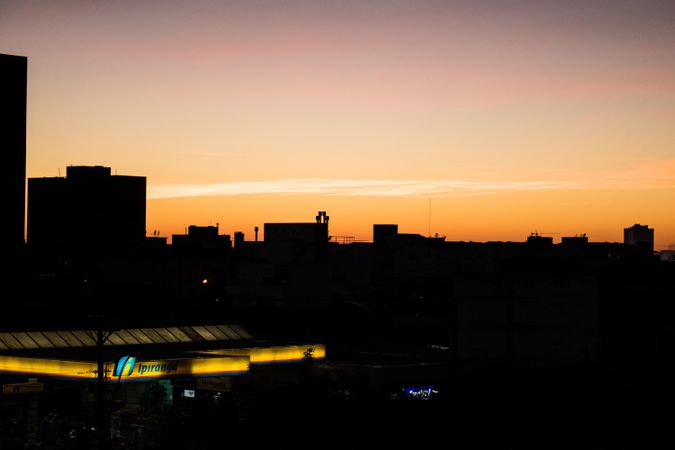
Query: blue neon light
x=422, y=393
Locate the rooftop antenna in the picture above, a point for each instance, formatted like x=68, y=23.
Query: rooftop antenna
x=429, y=216
x=59, y=169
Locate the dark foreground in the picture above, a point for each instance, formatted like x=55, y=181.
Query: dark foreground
x=579, y=407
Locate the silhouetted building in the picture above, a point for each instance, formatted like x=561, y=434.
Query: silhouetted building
x=289, y=268
x=539, y=241
x=238, y=239
x=640, y=236
x=88, y=206
x=574, y=241
x=295, y=242
x=13, y=71
x=155, y=241
x=384, y=233
x=205, y=237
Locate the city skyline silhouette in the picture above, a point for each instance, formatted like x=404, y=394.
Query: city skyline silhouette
x=532, y=117
x=354, y=224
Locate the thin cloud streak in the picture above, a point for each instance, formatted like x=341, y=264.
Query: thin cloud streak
x=392, y=188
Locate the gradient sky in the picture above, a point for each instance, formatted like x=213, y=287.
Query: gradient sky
x=505, y=116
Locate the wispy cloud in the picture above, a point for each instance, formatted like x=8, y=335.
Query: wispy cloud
x=344, y=187
x=642, y=179
x=206, y=153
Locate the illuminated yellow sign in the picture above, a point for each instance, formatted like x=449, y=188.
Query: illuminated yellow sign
x=277, y=354
x=224, y=362
x=81, y=370
x=129, y=370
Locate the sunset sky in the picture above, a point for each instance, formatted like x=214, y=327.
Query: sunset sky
x=499, y=117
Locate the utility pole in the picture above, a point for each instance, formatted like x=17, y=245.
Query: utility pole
x=100, y=336
x=100, y=389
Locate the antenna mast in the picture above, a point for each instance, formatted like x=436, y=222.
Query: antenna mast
x=429, y=216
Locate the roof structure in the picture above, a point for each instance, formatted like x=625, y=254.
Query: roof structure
x=30, y=340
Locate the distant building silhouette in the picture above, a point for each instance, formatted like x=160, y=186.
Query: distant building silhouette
x=640, y=236
x=13, y=70
x=539, y=241
x=88, y=206
x=384, y=233
x=294, y=242
x=575, y=241
x=238, y=239
x=289, y=267
x=202, y=237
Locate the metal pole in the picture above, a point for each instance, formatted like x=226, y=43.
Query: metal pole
x=100, y=389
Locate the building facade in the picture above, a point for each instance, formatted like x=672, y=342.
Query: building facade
x=88, y=206
x=640, y=236
x=13, y=70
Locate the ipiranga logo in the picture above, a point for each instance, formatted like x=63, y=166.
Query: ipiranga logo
x=124, y=363
x=127, y=364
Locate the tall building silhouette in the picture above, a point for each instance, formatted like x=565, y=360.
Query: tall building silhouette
x=640, y=236
x=88, y=206
x=13, y=70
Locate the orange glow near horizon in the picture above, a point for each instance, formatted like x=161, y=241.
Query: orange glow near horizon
x=497, y=217
x=531, y=116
